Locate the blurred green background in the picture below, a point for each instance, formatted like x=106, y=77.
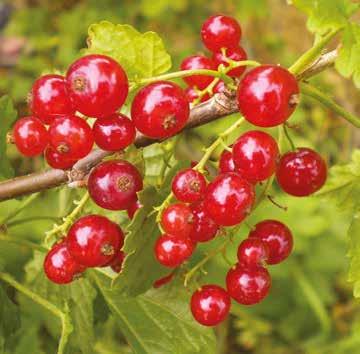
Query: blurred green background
x=310, y=309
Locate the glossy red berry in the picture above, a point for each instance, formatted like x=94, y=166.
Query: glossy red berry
x=255, y=154
x=198, y=62
x=252, y=252
x=60, y=267
x=30, y=136
x=49, y=98
x=163, y=281
x=277, y=237
x=192, y=95
x=204, y=228
x=226, y=162
x=160, y=110
x=94, y=240
x=188, y=185
x=220, y=31
x=114, y=133
x=229, y=199
x=210, y=305
x=248, y=285
x=117, y=263
x=177, y=219
x=267, y=95
x=171, y=251
x=301, y=172
x=97, y=85
x=133, y=208
x=235, y=54
x=58, y=160
x=71, y=136
x=113, y=184
x=219, y=87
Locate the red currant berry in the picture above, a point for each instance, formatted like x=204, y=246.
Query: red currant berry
x=97, y=84
x=94, y=240
x=171, y=251
x=301, y=172
x=133, y=208
x=277, y=237
x=58, y=160
x=220, y=31
x=113, y=184
x=235, y=54
x=255, y=154
x=248, y=285
x=192, y=95
x=177, y=219
x=30, y=136
x=229, y=199
x=196, y=62
x=117, y=263
x=71, y=136
x=160, y=110
x=226, y=162
x=189, y=185
x=210, y=305
x=220, y=87
x=204, y=228
x=60, y=267
x=163, y=281
x=252, y=252
x=114, y=133
x=49, y=98
x=267, y=95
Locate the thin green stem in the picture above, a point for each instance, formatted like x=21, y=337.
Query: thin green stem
x=325, y=100
x=22, y=242
x=63, y=316
x=288, y=137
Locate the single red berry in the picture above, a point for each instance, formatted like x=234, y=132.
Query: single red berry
x=301, y=172
x=277, y=237
x=49, y=98
x=248, y=285
x=267, y=95
x=229, y=199
x=30, y=136
x=163, y=281
x=235, y=54
x=117, y=263
x=59, y=265
x=114, y=133
x=177, y=219
x=171, y=251
x=226, y=162
x=204, y=228
x=192, y=95
x=133, y=208
x=188, y=185
x=210, y=305
x=94, y=240
x=58, y=160
x=113, y=184
x=196, y=62
x=97, y=85
x=160, y=110
x=252, y=252
x=71, y=136
x=220, y=31
x=255, y=154
x=219, y=87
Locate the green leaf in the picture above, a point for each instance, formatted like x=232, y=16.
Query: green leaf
x=159, y=321
x=141, y=55
x=354, y=253
x=8, y=115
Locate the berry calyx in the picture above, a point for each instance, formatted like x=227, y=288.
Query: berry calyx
x=248, y=285
x=192, y=95
x=94, y=240
x=255, y=154
x=113, y=184
x=160, y=110
x=133, y=208
x=114, y=133
x=177, y=220
x=172, y=251
x=301, y=172
x=198, y=62
x=220, y=31
x=235, y=54
x=252, y=252
x=210, y=305
x=188, y=185
x=277, y=237
x=229, y=199
x=97, y=85
x=49, y=98
x=59, y=265
x=30, y=136
x=58, y=160
x=267, y=95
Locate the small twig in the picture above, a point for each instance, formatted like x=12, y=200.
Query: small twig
x=272, y=200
